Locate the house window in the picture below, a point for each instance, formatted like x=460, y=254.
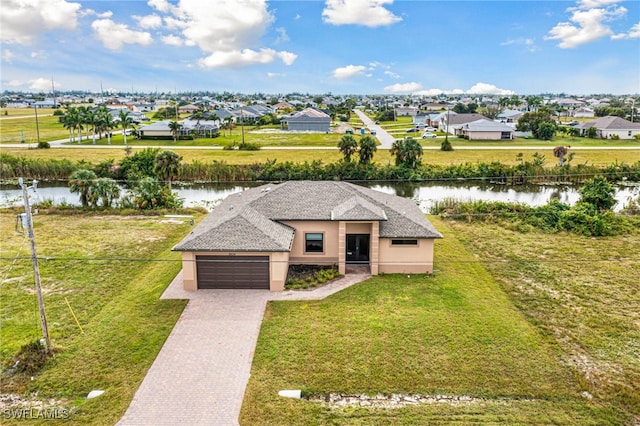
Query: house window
x=404, y=242
x=314, y=242
x=505, y=135
x=629, y=134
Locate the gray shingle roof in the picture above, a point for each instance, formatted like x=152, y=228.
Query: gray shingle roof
x=250, y=220
x=610, y=123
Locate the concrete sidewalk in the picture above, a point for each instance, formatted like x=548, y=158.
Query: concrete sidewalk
x=200, y=375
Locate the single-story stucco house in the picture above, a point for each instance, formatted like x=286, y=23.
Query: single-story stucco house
x=307, y=120
x=485, y=130
x=609, y=126
x=252, y=237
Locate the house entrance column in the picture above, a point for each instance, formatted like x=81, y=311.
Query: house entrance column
x=342, y=248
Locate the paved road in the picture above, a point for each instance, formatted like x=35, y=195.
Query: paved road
x=200, y=375
x=386, y=140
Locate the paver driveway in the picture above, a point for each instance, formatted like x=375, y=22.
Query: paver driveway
x=201, y=372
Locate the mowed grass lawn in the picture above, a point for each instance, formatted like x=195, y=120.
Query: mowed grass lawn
x=456, y=333
x=24, y=119
x=116, y=301
x=382, y=156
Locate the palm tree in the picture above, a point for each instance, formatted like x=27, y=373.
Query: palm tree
x=348, y=146
x=80, y=181
x=91, y=118
x=174, y=126
x=105, y=190
x=228, y=122
x=368, y=147
x=70, y=122
x=107, y=124
x=408, y=152
x=83, y=122
x=125, y=122
x=559, y=152
x=166, y=166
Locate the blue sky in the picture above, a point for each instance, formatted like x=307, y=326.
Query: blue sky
x=313, y=46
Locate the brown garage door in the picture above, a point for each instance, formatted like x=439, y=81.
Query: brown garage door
x=231, y=272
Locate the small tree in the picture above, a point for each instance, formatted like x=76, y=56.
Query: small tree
x=368, y=147
x=166, y=166
x=80, y=181
x=408, y=152
x=446, y=145
x=559, y=152
x=591, y=132
x=546, y=131
x=175, y=127
x=125, y=122
x=105, y=190
x=348, y=146
x=599, y=193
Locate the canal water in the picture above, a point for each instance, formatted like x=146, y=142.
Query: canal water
x=426, y=194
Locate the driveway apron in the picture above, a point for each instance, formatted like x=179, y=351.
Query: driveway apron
x=200, y=375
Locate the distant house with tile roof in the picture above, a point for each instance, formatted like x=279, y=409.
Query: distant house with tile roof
x=307, y=120
x=252, y=237
x=608, y=126
x=484, y=129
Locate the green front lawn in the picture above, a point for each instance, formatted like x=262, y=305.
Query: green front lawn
x=456, y=333
x=112, y=270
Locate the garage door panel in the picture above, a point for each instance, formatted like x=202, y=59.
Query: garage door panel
x=233, y=272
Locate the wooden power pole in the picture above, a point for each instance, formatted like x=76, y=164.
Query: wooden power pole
x=34, y=259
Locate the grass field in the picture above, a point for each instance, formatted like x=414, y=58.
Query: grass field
x=116, y=302
x=457, y=333
x=24, y=119
x=96, y=155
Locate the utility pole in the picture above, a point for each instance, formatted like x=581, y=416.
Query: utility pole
x=34, y=259
x=37, y=124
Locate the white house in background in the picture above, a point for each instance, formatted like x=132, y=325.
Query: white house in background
x=509, y=116
x=584, y=113
x=608, y=126
x=307, y=120
x=484, y=129
x=407, y=111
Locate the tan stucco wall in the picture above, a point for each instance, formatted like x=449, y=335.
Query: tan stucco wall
x=485, y=136
x=330, y=231
x=406, y=259
x=278, y=267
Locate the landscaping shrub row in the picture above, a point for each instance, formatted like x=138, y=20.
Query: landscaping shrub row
x=141, y=164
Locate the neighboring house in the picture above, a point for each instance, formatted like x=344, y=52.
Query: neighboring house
x=307, y=120
x=484, y=129
x=509, y=116
x=584, y=113
x=159, y=129
x=203, y=128
x=420, y=120
x=449, y=121
x=188, y=109
x=609, y=126
x=282, y=106
x=252, y=237
x=407, y=111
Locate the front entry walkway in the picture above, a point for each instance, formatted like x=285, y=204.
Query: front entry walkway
x=200, y=375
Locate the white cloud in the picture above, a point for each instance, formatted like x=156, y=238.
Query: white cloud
x=588, y=23
x=7, y=55
x=287, y=57
x=349, y=71
x=275, y=74
x=42, y=84
x=241, y=58
x=172, y=40
x=476, y=89
x=91, y=12
x=429, y=92
x=161, y=5
x=113, y=36
x=148, y=22
x=488, y=89
x=23, y=21
x=370, y=13
x=391, y=74
x=590, y=4
x=230, y=33
x=403, y=87
x=634, y=32
x=282, y=35
x=15, y=83
x=528, y=43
